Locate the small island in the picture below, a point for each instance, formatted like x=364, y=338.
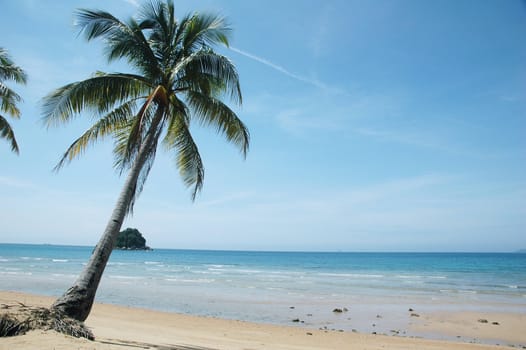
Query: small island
x=131, y=239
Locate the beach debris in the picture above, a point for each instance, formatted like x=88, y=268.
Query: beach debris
x=11, y=326
x=292, y=307
x=296, y=320
x=411, y=309
x=26, y=318
x=495, y=323
x=309, y=333
x=378, y=316
x=373, y=332
x=415, y=315
x=345, y=309
x=309, y=315
x=482, y=320
x=337, y=310
x=354, y=330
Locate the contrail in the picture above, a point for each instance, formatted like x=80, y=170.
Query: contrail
x=282, y=70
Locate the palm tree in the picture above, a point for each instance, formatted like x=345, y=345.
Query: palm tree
x=179, y=79
x=9, y=98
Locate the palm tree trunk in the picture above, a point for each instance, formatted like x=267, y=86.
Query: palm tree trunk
x=77, y=301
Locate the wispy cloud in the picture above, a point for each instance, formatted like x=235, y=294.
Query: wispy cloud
x=134, y=3
x=10, y=182
x=277, y=67
x=427, y=139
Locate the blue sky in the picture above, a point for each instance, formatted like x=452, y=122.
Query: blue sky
x=376, y=126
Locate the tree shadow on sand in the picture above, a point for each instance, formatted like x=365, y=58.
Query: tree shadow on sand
x=151, y=346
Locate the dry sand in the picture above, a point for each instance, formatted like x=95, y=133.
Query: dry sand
x=122, y=328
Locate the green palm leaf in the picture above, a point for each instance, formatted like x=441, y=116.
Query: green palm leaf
x=212, y=112
x=98, y=94
x=8, y=98
x=10, y=71
x=188, y=160
x=178, y=77
x=106, y=126
x=208, y=72
x=7, y=133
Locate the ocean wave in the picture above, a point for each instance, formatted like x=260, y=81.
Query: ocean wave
x=216, y=269
x=458, y=291
x=152, y=263
x=122, y=277
x=60, y=260
x=409, y=276
x=63, y=275
x=117, y=264
x=14, y=273
x=513, y=286
x=183, y=280
x=463, y=291
x=352, y=275
x=248, y=271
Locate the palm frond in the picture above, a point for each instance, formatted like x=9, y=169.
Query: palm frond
x=188, y=160
x=121, y=155
x=205, y=30
x=155, y=103
x=123, y=40
x=10, y=71
x=206, y=70
x=179, y=77
x=9, y=100
x=99, y=94
x=7, y=133
x=147, y=166
x=213, y=112
x=107, y=125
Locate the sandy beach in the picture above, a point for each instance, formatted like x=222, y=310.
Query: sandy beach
x=117, y=327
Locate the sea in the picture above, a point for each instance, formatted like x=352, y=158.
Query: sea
x=375, y=292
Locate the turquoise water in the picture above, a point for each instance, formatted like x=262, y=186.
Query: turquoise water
x=278, y=286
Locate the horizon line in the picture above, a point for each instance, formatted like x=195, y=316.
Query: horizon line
x=518, y=251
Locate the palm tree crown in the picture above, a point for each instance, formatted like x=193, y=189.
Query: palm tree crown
x=9, y=98
x=178, y=78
